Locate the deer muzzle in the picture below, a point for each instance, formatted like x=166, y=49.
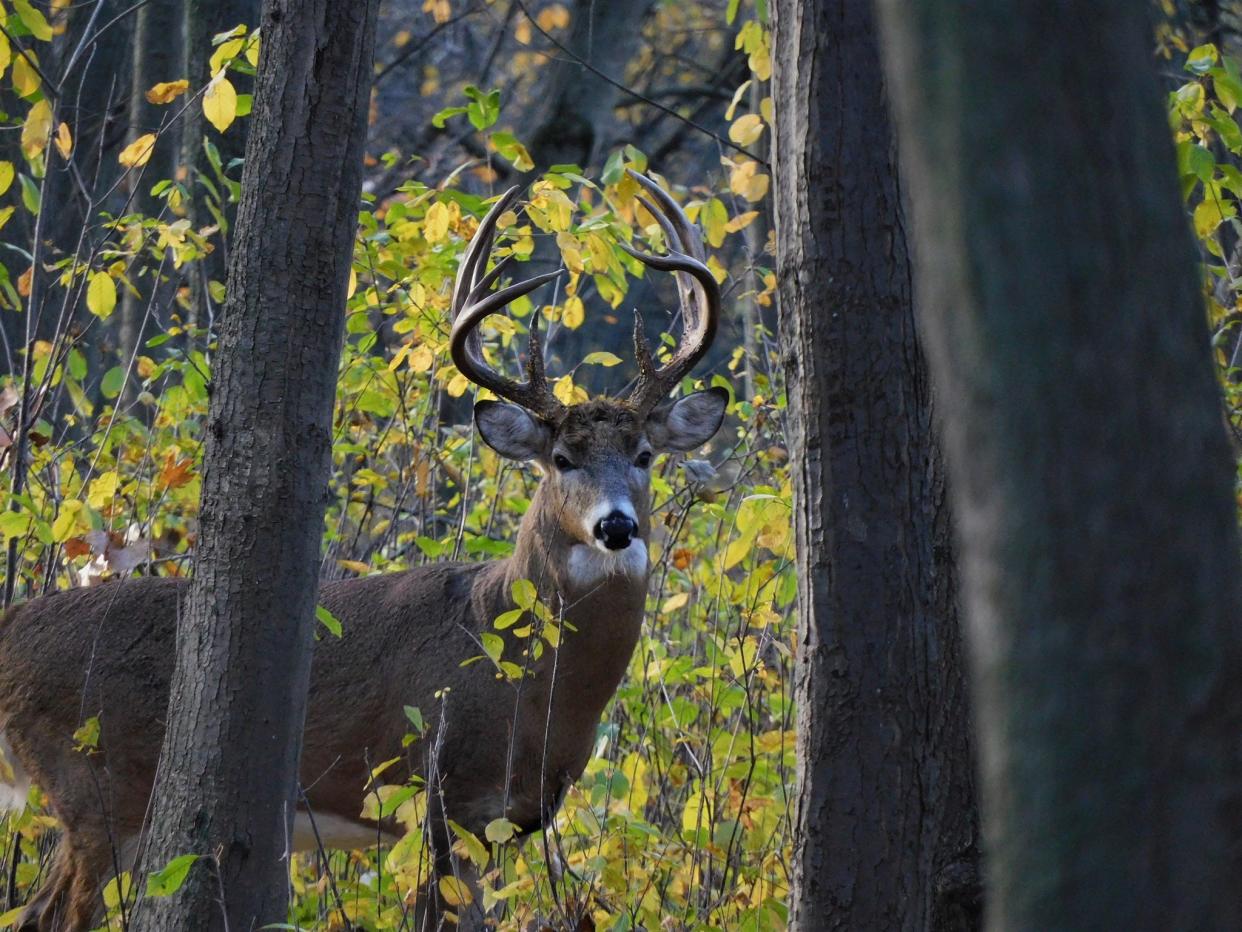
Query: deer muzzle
x=615, y=530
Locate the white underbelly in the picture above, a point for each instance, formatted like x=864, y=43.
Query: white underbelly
x=14, y=781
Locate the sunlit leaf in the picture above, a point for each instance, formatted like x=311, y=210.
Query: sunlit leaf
x=138, y=152
x=101, y=295
x=167, y=91
x=220, y=103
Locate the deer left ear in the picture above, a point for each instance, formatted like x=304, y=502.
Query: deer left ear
x=688, y=422
x=511, y=431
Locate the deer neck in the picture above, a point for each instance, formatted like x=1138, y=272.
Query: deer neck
x=571, y=575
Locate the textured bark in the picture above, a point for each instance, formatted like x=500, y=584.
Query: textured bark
x=1090, y=472
x=226, y=784
x=158, y=35
x=204, y=19
x=886, y=820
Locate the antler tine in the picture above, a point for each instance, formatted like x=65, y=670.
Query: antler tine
x=700, y=306
x=473, y=302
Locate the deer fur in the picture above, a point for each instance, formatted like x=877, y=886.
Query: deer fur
x=493, y=748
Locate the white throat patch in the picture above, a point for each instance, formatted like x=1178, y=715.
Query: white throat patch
x=590, y=565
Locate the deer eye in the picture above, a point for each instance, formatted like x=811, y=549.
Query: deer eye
x=562, y=462
x=644, y=459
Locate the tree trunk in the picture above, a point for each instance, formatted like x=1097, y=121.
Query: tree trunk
x=228, y=769
x=157, y=57
x=886, y=820
x=1090, y=471
x=204, y=19
x=580, y=104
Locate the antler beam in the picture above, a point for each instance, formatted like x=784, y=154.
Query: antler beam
x=697, y=289
x=473, y=301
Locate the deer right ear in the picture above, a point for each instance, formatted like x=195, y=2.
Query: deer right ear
x=512, y=431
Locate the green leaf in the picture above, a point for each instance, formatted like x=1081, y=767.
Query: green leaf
x=110, y=384
x=30, y=194
x=444, y=115
x=614, y=168
x=508, y=619
x=499, y=831
x=493, y=645
x=1201, y=59
x=601, y=358
x=328, y=620
x=169, y=878
x=14, y=523
x=415, y=715
x=524, y=593
x=484, y=108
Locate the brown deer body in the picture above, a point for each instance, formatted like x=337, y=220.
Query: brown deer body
x=493, y=747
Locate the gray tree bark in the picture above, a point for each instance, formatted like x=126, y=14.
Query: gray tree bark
x=227, y=778
x=886, y=834
x=1090, y=473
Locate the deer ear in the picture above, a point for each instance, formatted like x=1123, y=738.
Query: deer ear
x=688, y=422
x=512, y=431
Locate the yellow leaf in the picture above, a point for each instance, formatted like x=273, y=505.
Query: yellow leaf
x=457, y=386
x=554, y=16
x=761, y=62
x=252, y=49
x=5, y=214
x=167, y=91
x=225, y=52
x=574, y=313
x=25, y=77
x=220, y=103
x=746, y=129
x=420, y=358
x=102, y=490
x=33, y=20
x=455, y=892
x=36, y=129
x=436, y=223
x=138, y=152
x=64, y=141
x=737, y=99
x=101, y=295
x=635, y=770
x=741, y=221
x=567, y=392
x=765, y=110
x=674, y=602
x=6, y=52
x=7, y=172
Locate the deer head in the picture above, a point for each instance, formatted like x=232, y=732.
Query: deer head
x=595, y=457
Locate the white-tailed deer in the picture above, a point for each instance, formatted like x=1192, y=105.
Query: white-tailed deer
x=494, y=747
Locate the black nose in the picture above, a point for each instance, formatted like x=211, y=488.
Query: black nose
x=616, y=530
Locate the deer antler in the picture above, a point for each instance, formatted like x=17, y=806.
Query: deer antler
x=700, y=306
x=473, y=301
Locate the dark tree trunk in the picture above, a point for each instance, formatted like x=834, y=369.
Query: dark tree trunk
x=227, y=780
x=1091, y=476
x=579, y=110
x=157, y=57
x=886, y=818
x=204, y=19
